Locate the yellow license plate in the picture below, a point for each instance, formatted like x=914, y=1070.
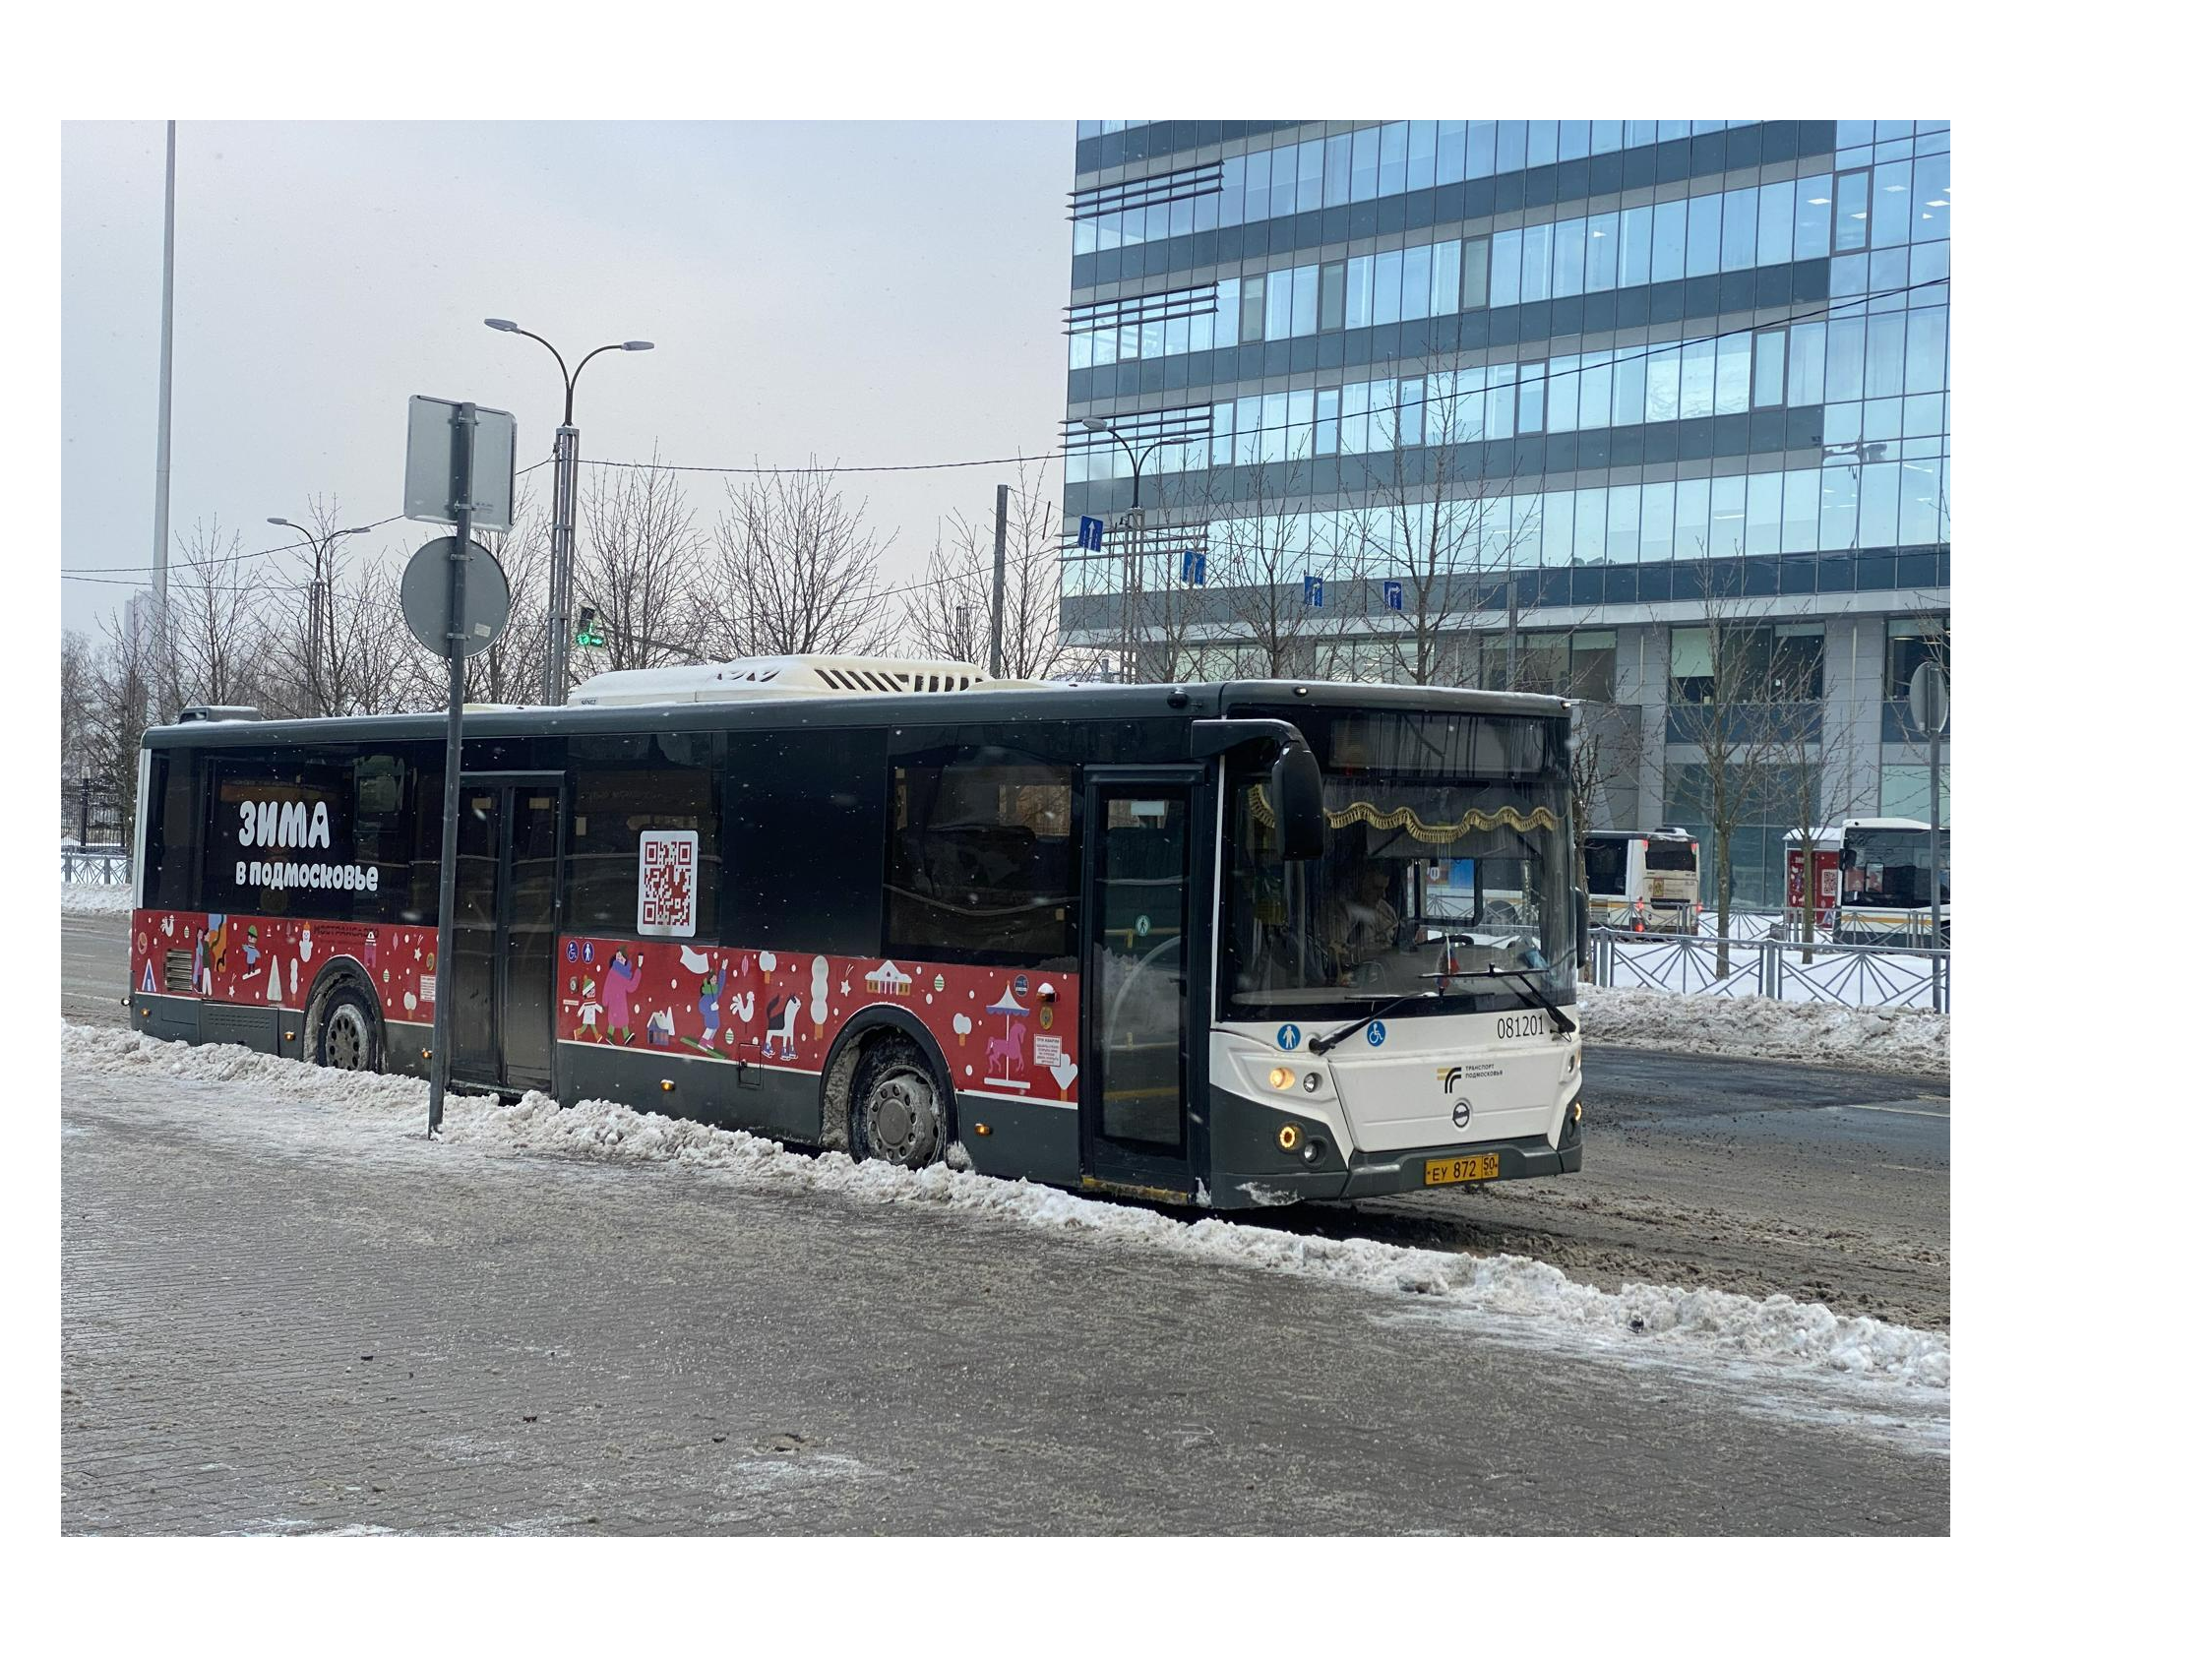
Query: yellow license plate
x=1447, y=1172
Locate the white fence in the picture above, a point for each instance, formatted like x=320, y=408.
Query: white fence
x=1850, y=975
x=94, y=866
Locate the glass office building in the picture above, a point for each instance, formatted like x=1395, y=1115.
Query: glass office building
x=1519, y=403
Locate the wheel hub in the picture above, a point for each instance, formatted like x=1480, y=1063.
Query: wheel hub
x=901, y=1116
x=346, y=1040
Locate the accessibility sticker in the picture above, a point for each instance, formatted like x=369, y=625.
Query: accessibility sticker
x=1287, y=1038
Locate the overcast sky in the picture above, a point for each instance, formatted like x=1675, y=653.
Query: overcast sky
x=870, y=293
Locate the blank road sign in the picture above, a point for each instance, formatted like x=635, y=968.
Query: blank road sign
x=430, y=490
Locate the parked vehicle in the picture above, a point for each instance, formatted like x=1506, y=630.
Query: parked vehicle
x=1873, y=876
x=1642, y=881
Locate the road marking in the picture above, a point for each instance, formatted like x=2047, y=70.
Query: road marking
x=1910, y=1169
x=1902, y=1111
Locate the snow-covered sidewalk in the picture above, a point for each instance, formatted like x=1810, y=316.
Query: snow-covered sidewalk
x=92, y=898
x=1768, y=1349
x=1877, y=1039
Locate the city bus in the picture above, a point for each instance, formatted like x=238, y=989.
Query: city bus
x=1872, y=874
x=1175, y=942
x=1644, y=880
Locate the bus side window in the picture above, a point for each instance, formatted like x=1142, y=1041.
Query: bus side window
x=981, y=864
x=625, y=785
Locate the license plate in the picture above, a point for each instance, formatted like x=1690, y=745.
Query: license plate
x=1447, y=1172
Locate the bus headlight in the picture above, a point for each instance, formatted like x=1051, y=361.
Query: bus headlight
x=1282, y=1076
x=1288, y=1137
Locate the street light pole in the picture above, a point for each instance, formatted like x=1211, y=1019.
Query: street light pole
x=318, y=602
x=561, y=583
x=1136, y=512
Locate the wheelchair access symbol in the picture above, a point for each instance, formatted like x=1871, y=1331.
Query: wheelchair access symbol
x=1374, y=1034
x=1287, y=1038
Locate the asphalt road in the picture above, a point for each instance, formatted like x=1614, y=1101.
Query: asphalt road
x=281, y=1332
x=1819, y=1183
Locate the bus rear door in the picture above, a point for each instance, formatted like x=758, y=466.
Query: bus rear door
x=506, y=930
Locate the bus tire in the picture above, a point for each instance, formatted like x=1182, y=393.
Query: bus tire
x=899, y=1113
x=348, y=1033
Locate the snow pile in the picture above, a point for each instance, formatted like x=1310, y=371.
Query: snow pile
x=92, y=898
x=1877, y=1039
x=1659, y=1321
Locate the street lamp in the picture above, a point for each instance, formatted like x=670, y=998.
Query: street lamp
x=317, y=599
x=1136, y=516
x=564, y=503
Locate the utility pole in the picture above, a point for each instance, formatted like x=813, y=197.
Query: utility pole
x=161, y=427
x=999, y=592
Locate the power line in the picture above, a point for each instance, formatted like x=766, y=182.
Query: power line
x=86, y=572
x=902, y=466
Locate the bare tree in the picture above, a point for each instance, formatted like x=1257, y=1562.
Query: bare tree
x=218, y=627
x=1443, y=546
x=950, y=612
x=1815, y=782
x=639, y=566
x=1727, y=704
x=1261, y=554
x=80, y=672
x=124, y=696
x=795, y=570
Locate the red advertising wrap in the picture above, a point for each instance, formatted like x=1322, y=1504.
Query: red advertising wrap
x=1009, y=1033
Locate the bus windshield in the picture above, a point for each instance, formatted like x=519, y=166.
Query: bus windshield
x=1445, y=852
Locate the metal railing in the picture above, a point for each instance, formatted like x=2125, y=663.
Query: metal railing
x=107, y=866
x=1787, y=970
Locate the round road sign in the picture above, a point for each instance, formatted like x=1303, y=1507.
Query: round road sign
x=425, y=589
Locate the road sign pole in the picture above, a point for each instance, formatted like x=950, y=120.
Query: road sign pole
x=441, y=1027
x=1935, y=845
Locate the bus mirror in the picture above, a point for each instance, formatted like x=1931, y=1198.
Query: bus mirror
x=1582, y=927
x=1294, y=791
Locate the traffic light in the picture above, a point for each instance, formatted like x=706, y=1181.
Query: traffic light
x=588, y=632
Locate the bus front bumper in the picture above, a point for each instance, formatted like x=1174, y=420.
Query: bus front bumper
x=1243, y=1142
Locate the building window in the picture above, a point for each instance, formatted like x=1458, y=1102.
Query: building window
x=1592, y=660
x=1914, y=640
x=1796, y=653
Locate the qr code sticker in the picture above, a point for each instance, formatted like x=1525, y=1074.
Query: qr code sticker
x=668, y=882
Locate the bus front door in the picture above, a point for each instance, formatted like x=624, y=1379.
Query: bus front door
x=506, y=930
x=1138, y=970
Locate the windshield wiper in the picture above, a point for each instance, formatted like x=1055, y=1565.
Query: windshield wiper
x=1322, y=1045
x=1528, y=989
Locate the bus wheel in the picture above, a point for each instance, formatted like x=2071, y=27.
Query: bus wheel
x=347, y=1035
x=898, y=1112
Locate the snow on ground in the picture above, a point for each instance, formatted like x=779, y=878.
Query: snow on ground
x=1717, y=1334
x=1875, y=1039
x=92, y=898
